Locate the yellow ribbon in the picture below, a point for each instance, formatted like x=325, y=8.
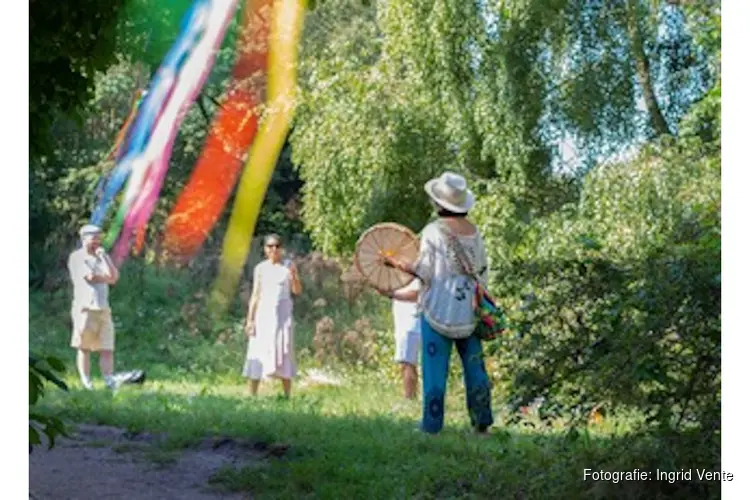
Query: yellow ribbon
x=286, y=31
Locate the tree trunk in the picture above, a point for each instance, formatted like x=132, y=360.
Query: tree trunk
x=643, y=72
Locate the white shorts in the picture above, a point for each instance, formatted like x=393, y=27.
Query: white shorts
x=407, y=346
x=93, y=330
x=406, y=327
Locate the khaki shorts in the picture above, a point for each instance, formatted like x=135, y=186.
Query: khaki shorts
x=93, y=331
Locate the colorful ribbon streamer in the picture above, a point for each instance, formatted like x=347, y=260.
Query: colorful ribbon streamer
x=286, y=31
x=148, y=175
x=201, y=201
x=115, y=152
x=193, y=27
x=144, y=150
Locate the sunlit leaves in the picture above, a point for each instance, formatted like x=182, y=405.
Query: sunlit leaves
x=406, y=88
x=616, y=299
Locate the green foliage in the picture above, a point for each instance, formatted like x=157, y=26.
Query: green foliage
x=41, y=371
x=616, y=300
x=71, y=41
x=394, y=93
x=364, y=124
x=354, y=140
x=704, y=121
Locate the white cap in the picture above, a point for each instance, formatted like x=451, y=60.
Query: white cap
x=88, y=230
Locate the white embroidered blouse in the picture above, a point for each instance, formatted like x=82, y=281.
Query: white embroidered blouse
x=438, y=261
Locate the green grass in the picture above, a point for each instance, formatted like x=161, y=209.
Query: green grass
x=348, y=442
x=344, y=441
x=354, y=441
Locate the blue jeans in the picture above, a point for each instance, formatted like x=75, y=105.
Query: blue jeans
x=436, y=354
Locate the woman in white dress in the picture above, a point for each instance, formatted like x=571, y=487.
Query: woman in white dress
x=270, y=325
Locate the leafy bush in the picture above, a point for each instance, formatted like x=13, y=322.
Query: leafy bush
x=42, y=370
x=616, y=301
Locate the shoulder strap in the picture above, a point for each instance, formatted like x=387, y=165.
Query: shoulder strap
x=458, y=248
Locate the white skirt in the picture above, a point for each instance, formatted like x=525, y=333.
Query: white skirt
x=270, y=353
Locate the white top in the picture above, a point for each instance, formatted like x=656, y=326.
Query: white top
x=273, y=280
x=437, y=261
x=443, y=298
x=406, y=314
x=88, y=296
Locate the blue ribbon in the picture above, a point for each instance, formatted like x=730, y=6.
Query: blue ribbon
x=161, y=87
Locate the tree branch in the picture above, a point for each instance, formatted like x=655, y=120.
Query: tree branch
x=643, y=72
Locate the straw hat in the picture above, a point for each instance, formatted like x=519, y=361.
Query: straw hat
x=451, y=192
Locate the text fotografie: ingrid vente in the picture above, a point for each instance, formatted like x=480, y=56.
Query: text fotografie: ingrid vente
x=659, y=475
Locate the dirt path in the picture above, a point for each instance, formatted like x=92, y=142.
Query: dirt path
x=100, y=462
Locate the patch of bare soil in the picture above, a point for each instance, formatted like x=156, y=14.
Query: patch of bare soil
x=100, y=462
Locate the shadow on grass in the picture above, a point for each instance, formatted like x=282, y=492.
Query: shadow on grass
x=341, y=453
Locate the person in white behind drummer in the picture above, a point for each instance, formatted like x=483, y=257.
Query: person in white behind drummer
x=406, y=322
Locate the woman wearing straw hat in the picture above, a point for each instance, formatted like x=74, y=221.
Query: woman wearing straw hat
x=446, y=302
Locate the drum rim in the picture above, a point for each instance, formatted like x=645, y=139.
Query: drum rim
x=382, y=225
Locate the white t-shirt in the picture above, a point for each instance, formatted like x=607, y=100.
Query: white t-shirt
x=406, y=314
x=88, y=296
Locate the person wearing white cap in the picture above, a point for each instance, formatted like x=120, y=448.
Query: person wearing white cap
x=451, y=254
x=92, y=272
